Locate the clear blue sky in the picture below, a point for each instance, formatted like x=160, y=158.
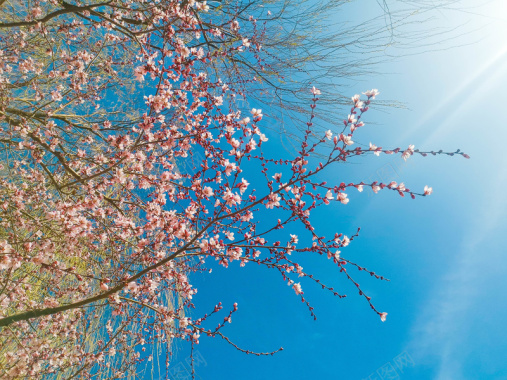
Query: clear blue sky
x=445, y=255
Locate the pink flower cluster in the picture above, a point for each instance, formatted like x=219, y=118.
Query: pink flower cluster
x=112, y=200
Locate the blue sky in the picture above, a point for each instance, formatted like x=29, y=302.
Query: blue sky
x=445, y=254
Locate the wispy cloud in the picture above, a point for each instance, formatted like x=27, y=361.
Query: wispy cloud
x=441, y=330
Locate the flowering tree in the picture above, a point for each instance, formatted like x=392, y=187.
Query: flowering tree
x=99, y=227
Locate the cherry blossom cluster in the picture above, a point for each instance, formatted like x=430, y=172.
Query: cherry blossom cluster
x=100, y=230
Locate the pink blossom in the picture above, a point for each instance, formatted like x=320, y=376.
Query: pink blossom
x=342, y=197
x=357, y=103
x=273, y=201
x=235, y=26
x=36, y=12
x=315, y=91
x=427, y=190
x=231, y=199
x=207, y=191
x=347, y=140
x=376, y=151
x=132, y=286
x=247, y=216
x=351, y=119
x=257, y=114
x=243, y=185
x=139, y=73
x=202, y=6
x=229, y=167
x=235, y=143
x=244, y=121
x=56, y=96
x=408, y=152
x=371, y=93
